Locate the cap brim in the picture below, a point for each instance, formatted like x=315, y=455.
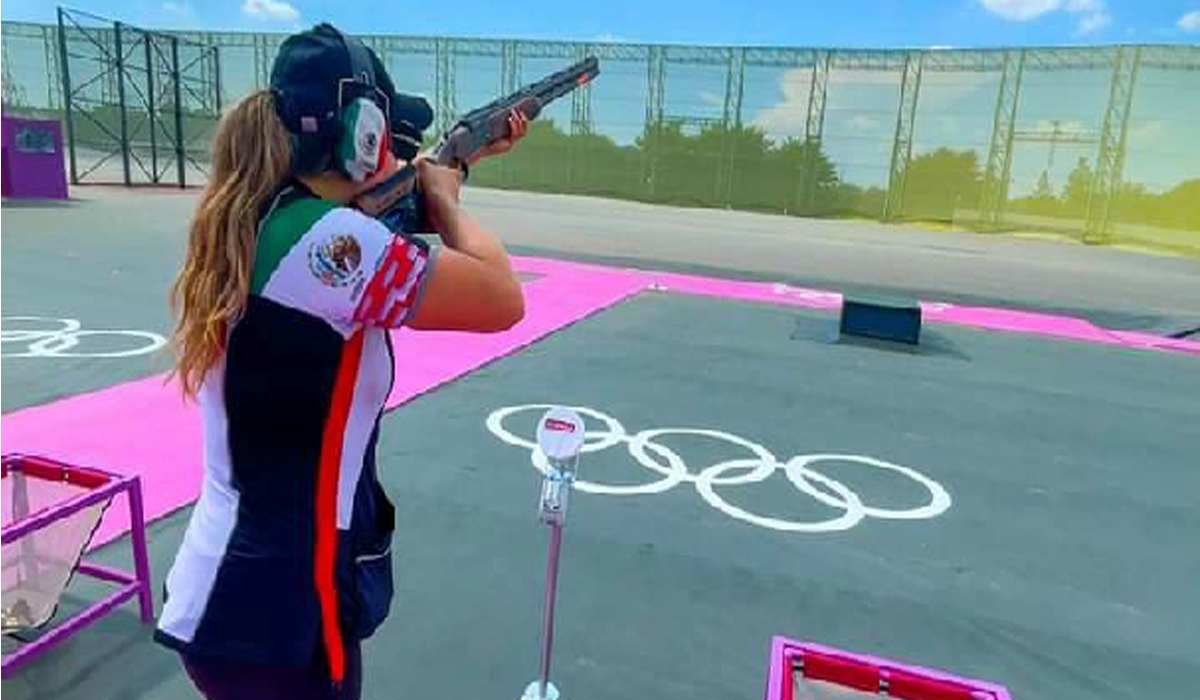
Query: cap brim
x=412, y=111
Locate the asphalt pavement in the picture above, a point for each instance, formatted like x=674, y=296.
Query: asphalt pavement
x=1025, y=515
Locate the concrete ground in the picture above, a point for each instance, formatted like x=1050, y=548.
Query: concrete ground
x=1061, y=566
x=1113, y=287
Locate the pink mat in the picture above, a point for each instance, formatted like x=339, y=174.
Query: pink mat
x=974, y=316
x=144, y=427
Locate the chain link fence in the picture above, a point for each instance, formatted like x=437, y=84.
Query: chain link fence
x=1101, y=143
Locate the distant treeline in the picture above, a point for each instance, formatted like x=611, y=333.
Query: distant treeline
x=729, y=167
x=1177, y=208
x=741, y=168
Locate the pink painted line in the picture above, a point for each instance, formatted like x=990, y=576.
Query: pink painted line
x=144, y=427
x=426, y=360
x=1157, y=342
x=141, y=427
x=989, y=318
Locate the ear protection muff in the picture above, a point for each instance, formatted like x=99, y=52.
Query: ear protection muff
x=348, y=130
x=364, y=108
x=362, y=147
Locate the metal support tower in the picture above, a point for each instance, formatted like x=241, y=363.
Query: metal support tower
x=656, y=80
x=445, y=109
x=510, y=67
x=1106, y=181
x=262, y=61
x=731, y=114
x=656, y=84
x=581, y=101
x=1000, y=152
x=731, y=122
x=123, y=113
x=910, y=88
x=814, y=127
x=54, y=84
x=65, y=63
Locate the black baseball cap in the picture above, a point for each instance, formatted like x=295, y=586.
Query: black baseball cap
x=314, y=66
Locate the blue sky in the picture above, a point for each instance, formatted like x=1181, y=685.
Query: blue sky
x=851, y=23
x=955, y=107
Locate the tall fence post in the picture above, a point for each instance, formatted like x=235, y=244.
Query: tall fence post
x=731, y=123
x=656, y=82
x=215, y=57
x=814, y=129
x=121, y=112
x=66, y=87
x=151, y=108
x=1000, y=150
x=180, y=150
x=1105, y=187
x=910, y=89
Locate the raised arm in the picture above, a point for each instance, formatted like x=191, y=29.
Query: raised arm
x=467, y=285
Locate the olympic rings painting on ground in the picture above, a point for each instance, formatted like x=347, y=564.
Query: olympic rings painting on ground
x=38, y=336
x=670, y=470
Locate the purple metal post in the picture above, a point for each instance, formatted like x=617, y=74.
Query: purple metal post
x=137, y=584
x=560, y=437
x=141, y=560
x=548, y=613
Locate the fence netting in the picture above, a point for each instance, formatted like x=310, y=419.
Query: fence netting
x=1101, y=143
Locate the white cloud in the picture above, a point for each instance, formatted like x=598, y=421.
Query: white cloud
x=861, y=122
x=1093, y=14
x=1190, y=21
x=865, y=101
x=1144, y=133
x=1094, y=21
x=1020, y=10
x=711, y=99
x=179, y=14
x=270, y=9
x=178, y=10
x=789, y=116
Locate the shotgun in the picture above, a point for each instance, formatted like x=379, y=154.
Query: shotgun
x=397, y=201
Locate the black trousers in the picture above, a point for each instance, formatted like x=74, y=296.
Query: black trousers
x=221, y=679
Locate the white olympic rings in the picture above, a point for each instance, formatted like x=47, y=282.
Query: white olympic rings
x=672, y=470
x=63, y=336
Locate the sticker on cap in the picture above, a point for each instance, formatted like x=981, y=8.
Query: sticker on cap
x=560, y=433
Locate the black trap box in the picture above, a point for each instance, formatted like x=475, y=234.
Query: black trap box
x=895, y=319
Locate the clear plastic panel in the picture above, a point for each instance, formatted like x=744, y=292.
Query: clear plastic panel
x=38, y=566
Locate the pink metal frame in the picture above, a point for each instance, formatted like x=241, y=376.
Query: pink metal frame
x=788, y=657
x=131, y=585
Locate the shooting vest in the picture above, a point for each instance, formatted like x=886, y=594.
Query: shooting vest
x=288, y=547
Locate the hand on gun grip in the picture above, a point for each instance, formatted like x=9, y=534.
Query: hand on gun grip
x=518, y=125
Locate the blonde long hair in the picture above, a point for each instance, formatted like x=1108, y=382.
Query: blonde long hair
x=251, y=159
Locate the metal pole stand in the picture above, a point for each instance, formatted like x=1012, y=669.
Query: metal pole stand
x=560, y=438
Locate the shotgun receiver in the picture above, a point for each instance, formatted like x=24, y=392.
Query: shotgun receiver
x=397, y=201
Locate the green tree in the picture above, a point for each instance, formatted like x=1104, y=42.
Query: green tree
x=815, y=178
x=1043, y=190
x=941, y=181
x=1078, y=188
